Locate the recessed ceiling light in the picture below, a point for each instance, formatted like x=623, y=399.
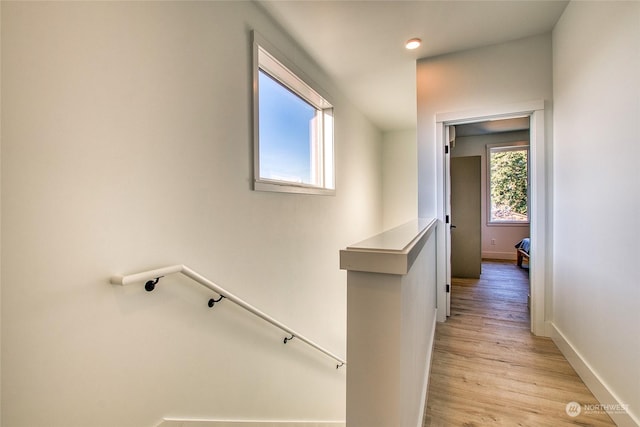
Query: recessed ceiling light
x=413, y=44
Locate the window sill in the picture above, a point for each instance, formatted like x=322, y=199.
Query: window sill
x=508, y=224
x=286, y=187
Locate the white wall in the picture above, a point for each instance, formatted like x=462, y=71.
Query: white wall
x=504, y=236
x=126, y=145
x=596, y=78
x=493, y=76
x=399, y=177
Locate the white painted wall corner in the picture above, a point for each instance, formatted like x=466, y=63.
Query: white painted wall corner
x=621, y=416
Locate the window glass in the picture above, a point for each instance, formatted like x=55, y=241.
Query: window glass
x=293, y=128
x=287, y=124
x=508, y=184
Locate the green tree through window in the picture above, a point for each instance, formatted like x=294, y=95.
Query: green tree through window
x=509, y=180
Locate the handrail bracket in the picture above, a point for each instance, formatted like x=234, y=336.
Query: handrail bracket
x=152, y=278
x=213, y=302
x=151, y=284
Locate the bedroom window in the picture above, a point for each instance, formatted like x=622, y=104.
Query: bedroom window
x=508, y=192
x=293, y=127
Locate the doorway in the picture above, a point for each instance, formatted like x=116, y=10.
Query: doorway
x=535, y=111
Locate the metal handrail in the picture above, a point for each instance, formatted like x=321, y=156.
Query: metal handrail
x=151, y=277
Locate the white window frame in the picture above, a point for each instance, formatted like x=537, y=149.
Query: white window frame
x=268, y=59
x=509, y=146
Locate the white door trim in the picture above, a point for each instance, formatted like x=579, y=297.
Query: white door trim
x=538, y=231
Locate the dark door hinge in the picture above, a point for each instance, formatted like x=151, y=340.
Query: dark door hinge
x=446, y=149
x=448, y=288
x=446, y=219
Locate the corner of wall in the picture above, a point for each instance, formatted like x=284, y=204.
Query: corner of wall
x=617, y=410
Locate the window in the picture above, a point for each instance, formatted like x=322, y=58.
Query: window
x=508, y=192
x=293, y=127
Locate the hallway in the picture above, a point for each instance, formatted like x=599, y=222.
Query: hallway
x=488, y=369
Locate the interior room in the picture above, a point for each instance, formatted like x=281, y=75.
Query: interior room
x=498, y=236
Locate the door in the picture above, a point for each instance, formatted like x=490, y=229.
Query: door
x=466, y=233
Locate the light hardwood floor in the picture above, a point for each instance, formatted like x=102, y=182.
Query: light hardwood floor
x=488, y=369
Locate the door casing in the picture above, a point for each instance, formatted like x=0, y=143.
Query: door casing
x=538, y=230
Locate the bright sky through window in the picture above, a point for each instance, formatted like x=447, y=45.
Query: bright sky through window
x=293, y=127
x=285, y=133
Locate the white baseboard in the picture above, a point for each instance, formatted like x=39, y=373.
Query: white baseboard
x=180, y=422
x=510, y=256
x=427, y=374
x=621, y=415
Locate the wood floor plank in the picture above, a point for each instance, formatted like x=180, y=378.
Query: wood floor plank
x=487, y=367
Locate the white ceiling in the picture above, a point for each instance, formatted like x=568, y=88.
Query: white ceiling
x=361, y=43
x=493, y=126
